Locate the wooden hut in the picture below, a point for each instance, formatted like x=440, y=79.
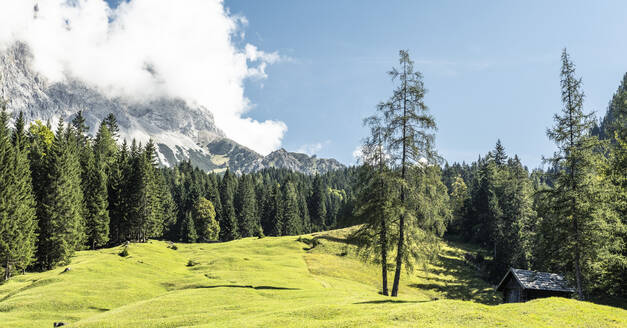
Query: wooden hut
x=523, y=285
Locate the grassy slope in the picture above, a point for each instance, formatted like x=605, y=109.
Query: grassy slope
x=270, y=282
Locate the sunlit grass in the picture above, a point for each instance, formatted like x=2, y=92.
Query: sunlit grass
x=271, y=282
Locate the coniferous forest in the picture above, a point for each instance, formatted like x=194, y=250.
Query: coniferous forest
x=71, y=191
x=62, y=190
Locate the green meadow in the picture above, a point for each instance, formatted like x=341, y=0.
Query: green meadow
x=272, y=282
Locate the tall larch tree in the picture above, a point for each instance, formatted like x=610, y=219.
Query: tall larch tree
x=576, y=195
x=409, y=131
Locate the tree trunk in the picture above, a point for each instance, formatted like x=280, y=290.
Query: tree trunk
x=399, y=256
x=577, y=260
x=7, y=271
x=384, y=257
x=401, y=223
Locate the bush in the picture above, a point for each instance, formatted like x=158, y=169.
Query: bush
x=124, y=252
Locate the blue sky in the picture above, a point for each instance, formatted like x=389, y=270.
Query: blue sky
x=491, y=67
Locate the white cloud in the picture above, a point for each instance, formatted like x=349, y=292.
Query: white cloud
x=187, y=45
x=358, y=153
x=312, y=149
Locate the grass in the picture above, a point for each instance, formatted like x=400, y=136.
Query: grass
x=285, y=281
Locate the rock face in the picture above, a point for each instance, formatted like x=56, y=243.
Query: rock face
x=244, y=160
x=181, y=132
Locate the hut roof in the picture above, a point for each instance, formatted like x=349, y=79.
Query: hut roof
x=538, y=280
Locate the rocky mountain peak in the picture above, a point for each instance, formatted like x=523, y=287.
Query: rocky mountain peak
x=181, y=131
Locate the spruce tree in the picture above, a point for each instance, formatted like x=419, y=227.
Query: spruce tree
x=246, y=208
x=188, y=231
x=145, y=219
x=118, y=202
x=61, y=226
x=303, y=211
x=489, y=215
x=112, y=124
x=168, y=208
x=228, y=226
x=105, y=148
x=96, y=203
x=318, y=204
x=19, y=137
x=519, y=217
x=292, y=224
x=213, y=195
x=40, y=139
x=78, y=122
x=17, y=205
x=500, y=158
x=272, y=217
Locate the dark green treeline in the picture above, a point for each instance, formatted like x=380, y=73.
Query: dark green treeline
x=63, y=190
x=570, y=218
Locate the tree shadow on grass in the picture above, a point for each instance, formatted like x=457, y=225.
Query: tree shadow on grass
x=98, y=309
x=349, y=241
x=466, y=284
x=249, y=286
x=389, y=301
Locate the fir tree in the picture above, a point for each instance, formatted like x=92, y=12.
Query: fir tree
x=17, y=205
x=61, y=226
x=246, y=208
x=228, y=226
x=78, y=122
x=105, y=148
x=117, y=187
x=272, y=217
x=303, y=212
x=112, y=124
x=145, y=220
x=318, y=204
x=96, y=203
x=188, y=231
x=500, y=158
x=168, y=208
x=19, y=137
x=213, y=195
x=291, y=220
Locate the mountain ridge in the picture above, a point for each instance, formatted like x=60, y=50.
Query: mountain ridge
x=181, y=131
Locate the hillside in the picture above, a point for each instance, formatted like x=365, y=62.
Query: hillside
x=267, y=282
